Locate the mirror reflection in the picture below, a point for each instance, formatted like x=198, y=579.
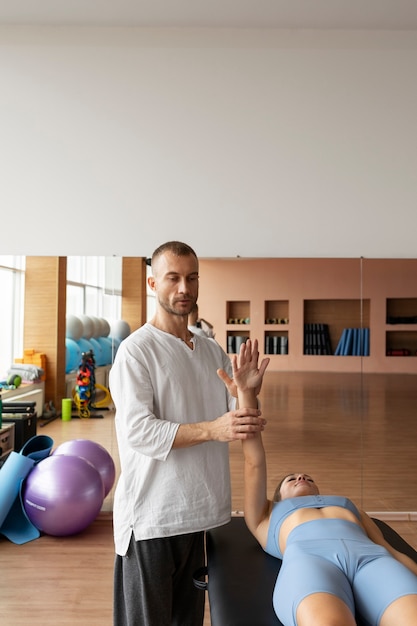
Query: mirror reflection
x=389, y=391
x=344, y=414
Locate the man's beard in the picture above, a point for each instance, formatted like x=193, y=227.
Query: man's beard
x=170, y=309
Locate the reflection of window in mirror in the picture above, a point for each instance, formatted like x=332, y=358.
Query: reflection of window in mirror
x=94, y=286
x=12, y=280
x=94, y=302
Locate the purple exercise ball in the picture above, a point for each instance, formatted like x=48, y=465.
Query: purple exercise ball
x=96, y=454
x=62, y=495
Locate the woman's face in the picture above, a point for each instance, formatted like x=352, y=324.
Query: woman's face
x=298, y=484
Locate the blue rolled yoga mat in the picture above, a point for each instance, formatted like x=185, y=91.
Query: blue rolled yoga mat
x=14, y=523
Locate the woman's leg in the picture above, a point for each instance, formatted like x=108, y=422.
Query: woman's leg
x=311, y=590
x=385, y=591
x=402, y=611
x=324, y=609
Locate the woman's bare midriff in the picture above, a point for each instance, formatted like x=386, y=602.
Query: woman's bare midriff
x=308, y=515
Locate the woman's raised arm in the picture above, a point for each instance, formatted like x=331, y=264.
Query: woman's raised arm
x=248, y=377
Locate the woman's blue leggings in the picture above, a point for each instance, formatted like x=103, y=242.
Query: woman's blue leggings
x=336, y=556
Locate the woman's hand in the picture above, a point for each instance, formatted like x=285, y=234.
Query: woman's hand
x=245, y=364
x=247, y=374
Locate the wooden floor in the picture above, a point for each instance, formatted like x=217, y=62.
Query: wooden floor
x=356, y=436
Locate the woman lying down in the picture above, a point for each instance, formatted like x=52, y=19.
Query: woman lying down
x=335, y=560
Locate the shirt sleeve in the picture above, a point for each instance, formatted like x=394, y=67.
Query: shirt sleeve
x=136, y=422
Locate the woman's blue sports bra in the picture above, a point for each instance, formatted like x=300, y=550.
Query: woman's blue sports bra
x=281, y=510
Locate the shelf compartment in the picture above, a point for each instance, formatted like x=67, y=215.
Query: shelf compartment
x=276, y=312
x=401, y=311
x=276, y=342
x=338, y=314
x=401, y=343
x=238, y=312
x=235, y=339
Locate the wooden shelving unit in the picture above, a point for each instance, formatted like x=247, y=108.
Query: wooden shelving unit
x=401, y=329
x=237, y=324
x=277, y=326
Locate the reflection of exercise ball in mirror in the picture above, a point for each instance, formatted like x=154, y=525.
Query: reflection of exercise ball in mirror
x=72, y=355
x=85, y=345
x=96, y=326
x=106, y=347
x=74, y=328
x=88, y=326
x=105, y=328
x=119, y=329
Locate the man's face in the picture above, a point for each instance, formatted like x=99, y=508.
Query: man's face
x=175, y=282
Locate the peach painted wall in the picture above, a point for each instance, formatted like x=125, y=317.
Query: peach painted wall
x=258, y=281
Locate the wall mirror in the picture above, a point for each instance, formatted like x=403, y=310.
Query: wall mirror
x=389, y=397
x=346, y=419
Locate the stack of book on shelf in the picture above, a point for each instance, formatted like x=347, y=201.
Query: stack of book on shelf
x=234, y=342
x=353, y=342
x=276, y=344
x=317, y=339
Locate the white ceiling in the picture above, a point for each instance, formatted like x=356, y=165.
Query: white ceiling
x=287, y=14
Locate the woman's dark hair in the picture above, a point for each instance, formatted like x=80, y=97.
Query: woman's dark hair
x=277, y=492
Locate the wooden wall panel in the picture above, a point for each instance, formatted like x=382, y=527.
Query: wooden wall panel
x=134, y=291
x=45, y=318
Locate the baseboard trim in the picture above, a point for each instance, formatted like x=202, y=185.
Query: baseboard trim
x=394, y=516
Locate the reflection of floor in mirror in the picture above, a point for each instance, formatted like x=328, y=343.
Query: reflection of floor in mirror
x=319, y=423
x=355, y=435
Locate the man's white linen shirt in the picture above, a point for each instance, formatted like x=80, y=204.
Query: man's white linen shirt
x=157, y=383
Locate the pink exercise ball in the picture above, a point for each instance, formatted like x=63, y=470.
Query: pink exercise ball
x=62, y=495
x=96, y=454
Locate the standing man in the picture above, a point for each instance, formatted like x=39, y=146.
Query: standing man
x=174, y=419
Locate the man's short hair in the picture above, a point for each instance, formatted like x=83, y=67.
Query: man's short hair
x=178, y=248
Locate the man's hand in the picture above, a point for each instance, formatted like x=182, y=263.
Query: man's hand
x=239, y=424
x=236, y=425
